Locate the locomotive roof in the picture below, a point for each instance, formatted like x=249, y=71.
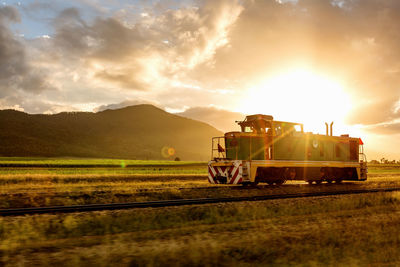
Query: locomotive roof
x=257, y=117
x=249, y=120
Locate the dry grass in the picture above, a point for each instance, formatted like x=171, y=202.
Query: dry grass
x=60, y=186
x=346, y=230
x=28, y=195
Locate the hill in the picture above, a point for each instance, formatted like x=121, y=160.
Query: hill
x=135, y=132
x=223, y=120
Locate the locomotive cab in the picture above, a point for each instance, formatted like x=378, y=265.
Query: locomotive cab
x=256, y=139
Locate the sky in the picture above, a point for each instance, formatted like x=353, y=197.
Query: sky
x=308, y=61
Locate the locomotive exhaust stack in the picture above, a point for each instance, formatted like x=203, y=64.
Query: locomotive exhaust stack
x=270, y=151
x=327, y=129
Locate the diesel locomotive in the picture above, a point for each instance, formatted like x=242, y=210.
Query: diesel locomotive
x=273, y=152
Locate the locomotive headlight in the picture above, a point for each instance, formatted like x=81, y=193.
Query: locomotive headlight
x=315, y=143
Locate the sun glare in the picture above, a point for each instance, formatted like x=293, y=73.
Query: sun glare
x=301, y=96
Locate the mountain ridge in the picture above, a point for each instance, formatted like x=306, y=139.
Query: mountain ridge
x=134, y=132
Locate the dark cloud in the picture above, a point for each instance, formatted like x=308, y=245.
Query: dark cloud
x=12, y=54
x=107, y=43
x=105, y=39
x=16, y=73
x=71, y=33
x=9, y=13
x=124, y=79
x=389, y=128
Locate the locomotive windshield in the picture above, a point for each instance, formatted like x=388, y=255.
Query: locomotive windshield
x=257, y=129
x=264, y=124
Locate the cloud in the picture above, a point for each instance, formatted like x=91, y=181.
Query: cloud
x=355, y=42
x=108, y=54
x=26, y=104
x=385, y=128
x=9, y=13
x=123, y=78
x=150, y=53
x=16, y=72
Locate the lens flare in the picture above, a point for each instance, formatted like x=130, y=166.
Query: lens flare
x=167, y=152
x=171, y=151
x=123, y=164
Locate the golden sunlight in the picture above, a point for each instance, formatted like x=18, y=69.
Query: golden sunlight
x=302, y=96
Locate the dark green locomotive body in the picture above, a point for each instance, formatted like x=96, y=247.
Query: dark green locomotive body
x=275, y=151
x=295, y=146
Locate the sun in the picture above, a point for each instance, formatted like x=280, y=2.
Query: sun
x=300, y=95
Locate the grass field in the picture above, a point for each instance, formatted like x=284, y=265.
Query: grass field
x=345, y=230
x=67, y=162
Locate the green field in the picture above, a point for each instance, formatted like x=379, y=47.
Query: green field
x=342, y=230
x=68, y=162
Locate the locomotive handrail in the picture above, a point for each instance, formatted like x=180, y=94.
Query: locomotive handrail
x=361, y=154
x=363, y=157
x=217, y=148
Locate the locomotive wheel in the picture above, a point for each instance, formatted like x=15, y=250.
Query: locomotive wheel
x=290, y=173
x=250, y=184
x=323, y=173
x=254, y=183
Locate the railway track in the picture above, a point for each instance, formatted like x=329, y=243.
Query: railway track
x=179, y=202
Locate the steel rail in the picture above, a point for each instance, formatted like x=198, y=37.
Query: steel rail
x=179, y=202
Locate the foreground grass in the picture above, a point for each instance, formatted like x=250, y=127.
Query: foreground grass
x=346, y=230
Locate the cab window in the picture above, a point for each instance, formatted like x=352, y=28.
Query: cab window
x=248, y=129
x=278, y=130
